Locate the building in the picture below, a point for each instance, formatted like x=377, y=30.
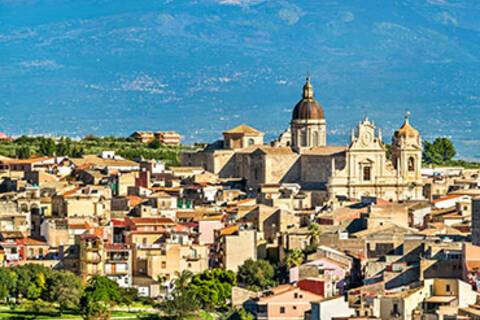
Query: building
x=331, y=308
x=283, y=302
x=168, y=138
x=233, y=246
x=327, y=172
x=476, y=221
x=241, y=137
x=113, y=260
x=143, y=136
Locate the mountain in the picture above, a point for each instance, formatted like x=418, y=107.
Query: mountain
x=200, y=67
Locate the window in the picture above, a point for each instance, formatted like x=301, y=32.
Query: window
x=251, y=142
x=303, y=139
x=256, y=173
x=447, y=288
x=367, y=174
x=395, y=309
x=315, y=138
x=282, y=309
x=295, y=295
x=411, y=164
x=164, y=264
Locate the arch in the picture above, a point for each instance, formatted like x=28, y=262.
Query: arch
x=411, y=164
x=315, y=138
x=250, y=142
x=303, y=138
x=24, y=208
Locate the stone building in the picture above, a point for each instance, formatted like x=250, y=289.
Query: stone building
x=301, y=155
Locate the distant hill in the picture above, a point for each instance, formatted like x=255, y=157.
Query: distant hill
x=200, y=67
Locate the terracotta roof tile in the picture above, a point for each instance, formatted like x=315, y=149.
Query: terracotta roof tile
x=244, y=129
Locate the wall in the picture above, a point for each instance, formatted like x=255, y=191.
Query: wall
x=330, y=308
x=239, y=248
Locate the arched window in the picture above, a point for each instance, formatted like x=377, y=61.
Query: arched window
x=315, y=138
x=24, y=208
x=411, y=164
x=251, y=142
x=303, y=138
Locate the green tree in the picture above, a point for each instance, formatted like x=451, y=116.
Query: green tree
x=241, y=314
x=23, y=152
x=315, y=231
x=99, y=297
x=31, y=281
x=155, y=144
x=8, y=283
x=64, y=147
x=256, y=274
x=47, y=147
x=213, y=288
x=65, y=288
x=129, y=295
x=183, y=279
x=294, y=258
x=183, y=301
x=441, y=151
x=77, y=151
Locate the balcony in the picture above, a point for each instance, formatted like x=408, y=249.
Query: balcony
x=12, y=256
x=117, y=257
x=117, y=269
x=149, y=246
x=192, y=257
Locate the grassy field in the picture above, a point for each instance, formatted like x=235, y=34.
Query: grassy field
x=24, y=314
x=20, y=313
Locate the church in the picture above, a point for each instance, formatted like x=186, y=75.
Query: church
x=302, y=156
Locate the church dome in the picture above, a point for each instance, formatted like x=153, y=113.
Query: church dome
x=308, y=108
x=407, y=131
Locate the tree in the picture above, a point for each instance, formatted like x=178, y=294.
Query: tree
x=31, y=281
x=256, y=275
x=23, y=152
x=77, y=151
x=183, y=279
x=213, y=288
x=65, y=288
x=441, y=151
x=47, y=147
x=8, y=283
x=183, y=301
x=294, y=258
x=64, y=147
x=315, y=232
x=244, y=315
x=129, y=295
x=155, y=144
x=100, y=295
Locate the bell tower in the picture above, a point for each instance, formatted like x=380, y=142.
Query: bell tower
x=407, y=151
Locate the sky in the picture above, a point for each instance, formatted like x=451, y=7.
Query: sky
x=201, y=67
